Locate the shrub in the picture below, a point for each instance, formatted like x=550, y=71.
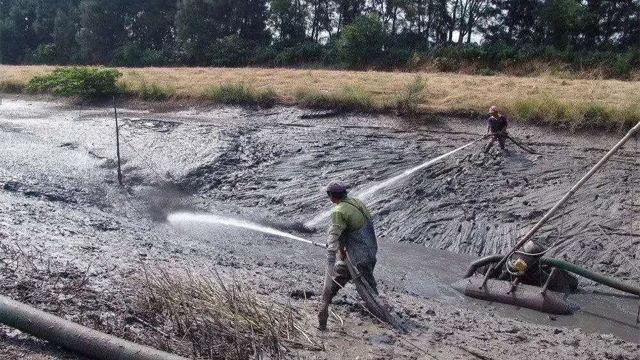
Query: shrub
x=12, y=87
x=85, y=82
x=362, y=41
x=410, y=98
x=241, y=94
x=45, y=54
x=487, y=72
x=306, y=52
x=231, y=51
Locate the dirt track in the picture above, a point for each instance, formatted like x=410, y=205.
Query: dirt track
x=60, y=201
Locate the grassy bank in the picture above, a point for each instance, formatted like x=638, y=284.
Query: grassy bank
x=576, y=103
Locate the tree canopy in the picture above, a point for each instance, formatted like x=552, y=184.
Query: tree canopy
x=352, y=32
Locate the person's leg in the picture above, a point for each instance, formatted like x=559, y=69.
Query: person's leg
x=502, y=140
x=490, y=144
x=331, y=287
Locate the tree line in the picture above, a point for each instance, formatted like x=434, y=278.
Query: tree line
x=350, y=33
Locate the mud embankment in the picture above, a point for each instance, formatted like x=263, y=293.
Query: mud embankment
x=60, y=201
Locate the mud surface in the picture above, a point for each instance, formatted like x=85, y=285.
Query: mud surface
x=60, y=204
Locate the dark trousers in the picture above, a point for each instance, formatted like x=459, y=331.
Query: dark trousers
x=501, y=140
x=342, y=276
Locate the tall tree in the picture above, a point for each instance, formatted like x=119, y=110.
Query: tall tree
x=103, y=29
x=289, y=20
x=321, y=17
x=194, y=29
x=152, y=23
x=561, y=19
x=65, y=29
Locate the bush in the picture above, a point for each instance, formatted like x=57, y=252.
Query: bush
x=241, y=94
x=85, y=82
x=306, y=52
x=12, y=87
x=487, y=72
x=409, y=100
x=362, y=42
x=45, y=54
x=231, y=51
x=134, y=55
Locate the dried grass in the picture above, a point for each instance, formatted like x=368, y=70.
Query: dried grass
x=447, y=93
x=222, y=320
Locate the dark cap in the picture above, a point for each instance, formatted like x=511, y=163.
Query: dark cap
x=336, y=187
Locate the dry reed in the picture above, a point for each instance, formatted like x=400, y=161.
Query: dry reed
x=222, y=320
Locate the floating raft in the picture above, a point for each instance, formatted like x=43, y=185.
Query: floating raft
x=525, y=296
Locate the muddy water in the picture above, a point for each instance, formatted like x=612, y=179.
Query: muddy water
x=270, y=166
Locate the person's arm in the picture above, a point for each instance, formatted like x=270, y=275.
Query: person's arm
x=505, y=124
x=338, y=225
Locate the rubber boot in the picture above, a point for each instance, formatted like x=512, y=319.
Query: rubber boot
x=323, y=316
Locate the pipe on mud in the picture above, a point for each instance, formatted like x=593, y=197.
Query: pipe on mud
x=563, y=265
x=74, y=337
x=599, y=278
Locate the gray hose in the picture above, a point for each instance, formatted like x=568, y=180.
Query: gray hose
x=71, y=336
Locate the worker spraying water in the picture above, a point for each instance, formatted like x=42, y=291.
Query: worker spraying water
x=351, y=239
x=351, y=254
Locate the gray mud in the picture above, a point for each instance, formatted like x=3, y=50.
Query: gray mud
x=59, y=199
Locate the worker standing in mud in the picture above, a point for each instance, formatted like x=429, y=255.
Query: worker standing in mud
x=496, y=128
x=351, y=238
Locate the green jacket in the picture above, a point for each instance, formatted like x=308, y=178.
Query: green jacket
x=349, y=215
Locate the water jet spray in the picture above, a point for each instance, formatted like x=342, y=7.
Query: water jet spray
x=366, y=193
x=225, y=221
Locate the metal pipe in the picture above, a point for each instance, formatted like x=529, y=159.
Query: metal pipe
x=115, y=113
x=74, y=337
x=567, y=196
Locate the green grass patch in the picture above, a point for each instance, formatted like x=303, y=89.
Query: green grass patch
x=12, y=87
x=149, y=92
x=410, y=98
x=241, y=94
x=350, y=98
x=85, y=82
x=574, y=115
